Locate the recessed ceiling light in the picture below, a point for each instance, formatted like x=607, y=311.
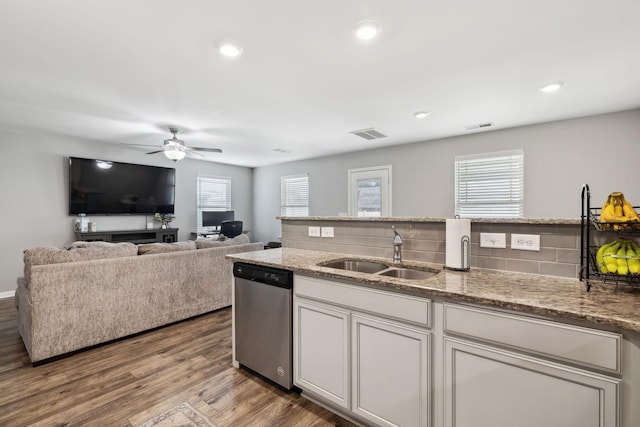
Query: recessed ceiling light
x=229, y=49
x=551, y=87
x=421, y=114
x=366, y=30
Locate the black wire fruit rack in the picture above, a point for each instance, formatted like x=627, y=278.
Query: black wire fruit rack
x=590, y=223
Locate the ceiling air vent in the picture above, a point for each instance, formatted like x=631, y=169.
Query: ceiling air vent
x=479, y=126
x=369, y=134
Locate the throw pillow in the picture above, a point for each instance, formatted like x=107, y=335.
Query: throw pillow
x=214, y=243
x=160, y=248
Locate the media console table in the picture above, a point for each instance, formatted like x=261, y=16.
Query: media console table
x=162, y=235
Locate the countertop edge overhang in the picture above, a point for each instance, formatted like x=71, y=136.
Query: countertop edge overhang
x=547, y=296
x=533, y=221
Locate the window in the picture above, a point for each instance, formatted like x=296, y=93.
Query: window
x=370, y=191
x=213, y=194
x=294, y=195
x=490, y=185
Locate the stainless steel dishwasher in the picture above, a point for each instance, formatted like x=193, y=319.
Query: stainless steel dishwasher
x=263, y=321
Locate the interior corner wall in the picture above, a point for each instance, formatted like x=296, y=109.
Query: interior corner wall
x=602, y=151
x=34, y=192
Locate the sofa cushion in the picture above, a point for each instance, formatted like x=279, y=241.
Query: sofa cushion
x=78, y=251
x=213, y=243
x=160, y=248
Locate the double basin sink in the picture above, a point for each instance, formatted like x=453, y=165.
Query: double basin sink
x=380, y=269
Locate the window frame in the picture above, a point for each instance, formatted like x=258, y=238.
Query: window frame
x=499, y=175
x=289, y=206
x=225, y=205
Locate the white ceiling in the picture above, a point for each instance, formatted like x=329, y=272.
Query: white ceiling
x=121, y=71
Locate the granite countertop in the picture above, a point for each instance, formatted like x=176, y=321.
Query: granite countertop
x=396, y=219
x=547, y=296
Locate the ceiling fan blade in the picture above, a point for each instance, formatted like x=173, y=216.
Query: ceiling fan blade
x=140, y=145
x=191, y=152
x=176, y=144
x=209, y=150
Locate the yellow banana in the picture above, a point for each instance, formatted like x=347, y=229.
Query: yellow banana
x=609, y=261
x=623, y=266
x=613, y=211
x=599, y=257
x=634, y=246
x=605, y=212
x=629, y=212
x=633, y=261
x=617, y=209
x=608, y=214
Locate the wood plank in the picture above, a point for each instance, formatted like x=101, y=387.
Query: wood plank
x=127, y=382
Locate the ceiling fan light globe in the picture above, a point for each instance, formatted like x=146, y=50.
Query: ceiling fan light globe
x=175, y=154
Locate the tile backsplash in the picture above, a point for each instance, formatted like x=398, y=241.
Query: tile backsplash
x=559, y=253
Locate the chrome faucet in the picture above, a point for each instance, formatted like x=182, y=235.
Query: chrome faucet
x=397, y=246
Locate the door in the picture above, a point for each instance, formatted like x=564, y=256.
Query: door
x=321, y=350
x=390, y=372
x=490, y=387
x=370, y=192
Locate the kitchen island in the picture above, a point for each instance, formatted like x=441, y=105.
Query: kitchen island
x=483, y=346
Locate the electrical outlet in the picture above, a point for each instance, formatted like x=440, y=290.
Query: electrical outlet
x=525, y=242
x=314, y=231
x=493, y=240
x=327, y=231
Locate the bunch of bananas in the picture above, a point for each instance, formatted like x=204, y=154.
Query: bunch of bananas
x=622, y=256
x=617, y=210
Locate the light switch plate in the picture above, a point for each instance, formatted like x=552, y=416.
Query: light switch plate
x=493, y=240
x=525, y=242
x=314, y=231
x=327, y=231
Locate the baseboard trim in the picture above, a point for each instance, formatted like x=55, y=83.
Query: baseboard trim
x=8, y=294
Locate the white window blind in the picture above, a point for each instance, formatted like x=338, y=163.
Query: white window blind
x=213, y=194
x=294, y=195
x=490, y=185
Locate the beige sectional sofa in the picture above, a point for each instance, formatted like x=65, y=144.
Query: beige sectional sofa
x=93, y=293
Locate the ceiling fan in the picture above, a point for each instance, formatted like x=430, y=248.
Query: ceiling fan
x=175, y=149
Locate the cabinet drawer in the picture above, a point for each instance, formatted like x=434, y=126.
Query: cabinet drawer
x=398, y=306
x=582, y=346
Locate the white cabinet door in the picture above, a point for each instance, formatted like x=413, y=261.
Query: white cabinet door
x=489, y=387
x=390, y=372
x=321, y=350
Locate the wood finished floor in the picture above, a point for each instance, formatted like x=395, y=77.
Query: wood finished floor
x=127, y=382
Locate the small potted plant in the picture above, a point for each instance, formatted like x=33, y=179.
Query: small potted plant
x=164, y=219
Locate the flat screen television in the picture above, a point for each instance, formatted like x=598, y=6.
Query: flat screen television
x=102, y=187
x=213, y=219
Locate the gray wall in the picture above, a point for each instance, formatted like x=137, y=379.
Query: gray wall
x=34, y=188
x=602, y=151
